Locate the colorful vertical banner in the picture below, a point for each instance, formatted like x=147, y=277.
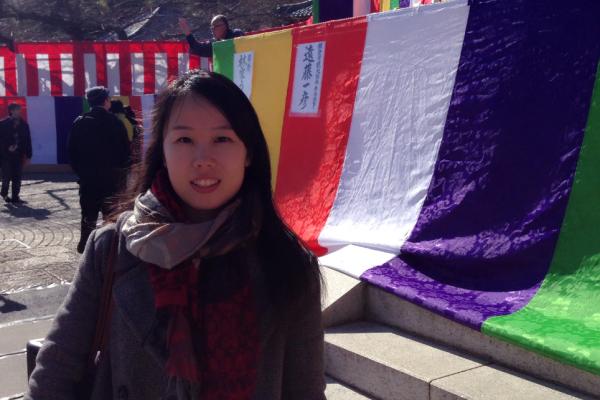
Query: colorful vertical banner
x=270, y=83
x=313, y=146
x=397, y=126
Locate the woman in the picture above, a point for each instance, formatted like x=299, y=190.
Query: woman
x=214, y=298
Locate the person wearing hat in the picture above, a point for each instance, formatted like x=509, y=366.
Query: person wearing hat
x=220, y=30
x=99, y=154
x=15, y=152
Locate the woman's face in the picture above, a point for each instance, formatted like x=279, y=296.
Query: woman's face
x=204, y=157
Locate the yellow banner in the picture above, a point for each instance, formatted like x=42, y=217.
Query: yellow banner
x=270, y=76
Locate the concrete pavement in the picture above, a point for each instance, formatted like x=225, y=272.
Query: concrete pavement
x=38, y=239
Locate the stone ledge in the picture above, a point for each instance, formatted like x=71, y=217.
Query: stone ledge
x=391, y=310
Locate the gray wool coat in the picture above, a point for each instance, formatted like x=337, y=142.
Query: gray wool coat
x=291, y=364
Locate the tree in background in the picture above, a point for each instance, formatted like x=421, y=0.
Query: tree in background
x=52, y=20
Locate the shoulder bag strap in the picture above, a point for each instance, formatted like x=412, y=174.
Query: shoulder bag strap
x=105, y=306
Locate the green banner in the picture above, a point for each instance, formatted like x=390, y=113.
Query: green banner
x=562, y=321
x=223, y=57
x=315, y=11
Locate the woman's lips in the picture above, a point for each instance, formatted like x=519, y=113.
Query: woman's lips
x=205, y=185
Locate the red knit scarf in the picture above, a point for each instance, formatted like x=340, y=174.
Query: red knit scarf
x=228, y=329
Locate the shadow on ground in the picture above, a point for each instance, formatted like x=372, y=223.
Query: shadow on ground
x=7, y=305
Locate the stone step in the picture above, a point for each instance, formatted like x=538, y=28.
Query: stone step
x=16, y=335
x=393, y=311
x=389, y=364
x=338, y=391
x=13, y=375
x=13, y=361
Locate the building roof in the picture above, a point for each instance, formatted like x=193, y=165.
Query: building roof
x=295, y=11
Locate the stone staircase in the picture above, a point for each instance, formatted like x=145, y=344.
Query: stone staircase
x=387, y=348
x=378, y=346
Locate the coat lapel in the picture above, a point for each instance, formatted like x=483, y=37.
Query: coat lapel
x=134, y=298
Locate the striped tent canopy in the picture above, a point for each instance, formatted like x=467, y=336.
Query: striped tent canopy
x=447, y=154
x=49, y=80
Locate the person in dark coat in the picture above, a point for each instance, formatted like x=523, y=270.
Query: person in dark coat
x=220, y=29
x=15, y=151
x=99, y=155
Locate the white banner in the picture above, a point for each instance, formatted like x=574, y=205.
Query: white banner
x=308, y=75
x=2, y=78
x=43, y=66
x=89, y=62
x=113, y=74
x=161, y=71
x=137, y=74
x=243, y=65
x=68, y=79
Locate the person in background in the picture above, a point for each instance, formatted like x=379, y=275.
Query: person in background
x=220, y=30
x=127, y=117
x=117, y=108
x=15, y=152
x=138, y=131
x=99, y=154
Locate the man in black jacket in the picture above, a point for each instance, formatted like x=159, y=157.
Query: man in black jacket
x=15, y=151
x=99, y=155
x=220, y=29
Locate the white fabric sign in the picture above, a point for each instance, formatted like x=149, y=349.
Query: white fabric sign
x=402, y=100
x=243, y=66
x=308, y=75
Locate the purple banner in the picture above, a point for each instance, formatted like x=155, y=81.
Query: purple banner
x=489, y=225
x=335, y=9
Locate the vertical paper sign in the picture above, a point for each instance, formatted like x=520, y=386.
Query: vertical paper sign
x=243, y=64
x=308, y=75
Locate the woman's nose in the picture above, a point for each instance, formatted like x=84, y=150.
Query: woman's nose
x=203, y=157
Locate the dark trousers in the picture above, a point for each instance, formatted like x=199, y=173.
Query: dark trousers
x=93, y=198
x=12, y=171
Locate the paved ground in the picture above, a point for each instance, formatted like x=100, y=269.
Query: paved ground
x=38, y=239
x=38, y=259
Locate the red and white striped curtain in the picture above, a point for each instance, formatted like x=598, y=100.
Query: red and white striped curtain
x=69, y=68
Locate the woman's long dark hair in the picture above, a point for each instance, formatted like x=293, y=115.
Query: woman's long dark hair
x=291, y=270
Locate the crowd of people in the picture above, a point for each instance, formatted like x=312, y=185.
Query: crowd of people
x=193, y=288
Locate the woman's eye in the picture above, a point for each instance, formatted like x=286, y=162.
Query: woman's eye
x=184, y=139
x=223, y=139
